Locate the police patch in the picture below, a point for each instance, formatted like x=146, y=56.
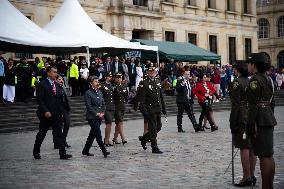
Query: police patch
x=253, y=85
x=236, y=84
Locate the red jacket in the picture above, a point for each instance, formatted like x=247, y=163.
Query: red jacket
x=200, y=91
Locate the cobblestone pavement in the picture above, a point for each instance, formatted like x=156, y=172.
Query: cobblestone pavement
x=190, y=160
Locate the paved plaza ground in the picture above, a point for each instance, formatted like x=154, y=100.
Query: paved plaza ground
x=190, y=160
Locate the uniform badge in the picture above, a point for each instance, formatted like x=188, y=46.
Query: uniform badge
x=106, y=88
x=253, y=85
x=236, y=84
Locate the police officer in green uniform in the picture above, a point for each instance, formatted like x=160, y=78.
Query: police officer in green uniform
x=238, y=121
x=107, y=90
x=120, y=94
x=261, y=120
x=151, y=103
x=24, y=80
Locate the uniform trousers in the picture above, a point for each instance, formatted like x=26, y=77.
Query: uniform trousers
x=187, y=107
x=55, y=122
x=154, y=126
x=95, y=133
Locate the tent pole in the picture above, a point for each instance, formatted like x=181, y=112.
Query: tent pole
x=88, y=56
x=158, y=60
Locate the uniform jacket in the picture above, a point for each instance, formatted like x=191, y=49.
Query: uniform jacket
x=150, y=96
x=107, y=90
x=200, y=91
x=95, y=103
x=120, y=96
x=239, y=109
x=48, y=101
x=260, y=100
x=182, y=91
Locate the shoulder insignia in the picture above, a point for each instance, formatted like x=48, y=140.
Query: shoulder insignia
x=253, y=85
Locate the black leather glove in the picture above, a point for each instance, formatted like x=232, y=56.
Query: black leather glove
x=164, y=112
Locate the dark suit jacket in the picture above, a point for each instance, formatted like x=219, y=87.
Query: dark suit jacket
x=181, y=96
x=132, y=75
x=48, y=101
x=120, y=68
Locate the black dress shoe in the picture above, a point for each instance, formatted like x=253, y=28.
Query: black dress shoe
x=143, y=143
x=37, y=156
x=214, y=128
x=106, y=153
x=156, y=150
x=87, y=154
x=115, y=141
x=124, y=142
x=67, y=145
x=108, y=145
x=66, y=156
x=181, y=131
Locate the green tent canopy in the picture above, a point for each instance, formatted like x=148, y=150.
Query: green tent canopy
x=185, y=52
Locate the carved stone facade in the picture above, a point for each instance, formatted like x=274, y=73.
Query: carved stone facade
x=227, y=27
x=270, y=19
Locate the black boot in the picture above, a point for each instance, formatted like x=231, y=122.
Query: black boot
x=156, y=150
x=143, y=143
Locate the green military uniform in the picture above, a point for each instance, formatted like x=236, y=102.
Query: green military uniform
x=239, y=112
x=261, y=120
x=107, y=90
x=151, y=103
x=120, y=94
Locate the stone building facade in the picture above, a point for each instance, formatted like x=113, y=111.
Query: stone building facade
x=226, y=27
x=270, y=20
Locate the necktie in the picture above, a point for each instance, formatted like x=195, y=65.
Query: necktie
x=53, y=88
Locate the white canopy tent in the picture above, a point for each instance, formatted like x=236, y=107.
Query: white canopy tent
x=73, y=22
x=18, y=32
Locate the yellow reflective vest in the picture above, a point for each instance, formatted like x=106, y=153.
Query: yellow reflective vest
x=73, y=71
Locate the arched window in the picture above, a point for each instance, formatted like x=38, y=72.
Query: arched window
x=280, y=59
x=263, y=28
x=280, y=26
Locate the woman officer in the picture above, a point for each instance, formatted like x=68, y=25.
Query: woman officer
x=238, y=121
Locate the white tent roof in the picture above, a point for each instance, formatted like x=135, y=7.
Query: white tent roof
x=17, y=29
x=73, y=22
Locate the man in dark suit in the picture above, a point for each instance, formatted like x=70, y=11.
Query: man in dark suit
x=116, y=66
x=108, y=65
x=50, y=113
x=132, y=73
x=184, y=100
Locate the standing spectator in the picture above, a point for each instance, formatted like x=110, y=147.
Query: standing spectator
x=279, y=80
x=132, y=73
x=180, y=69
x=139, y=74
x=171, y=70
x=162, y=71
x=24, y=80
x=125, y=71
x=92, y=69
x=61, y=67
x=116, y=66
x=2, y=71
x=216, y=80
x=229, y=76
x=73, y=74
x=9, y=82
x=84, y=74
x=223, y=83
x=107, y=65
